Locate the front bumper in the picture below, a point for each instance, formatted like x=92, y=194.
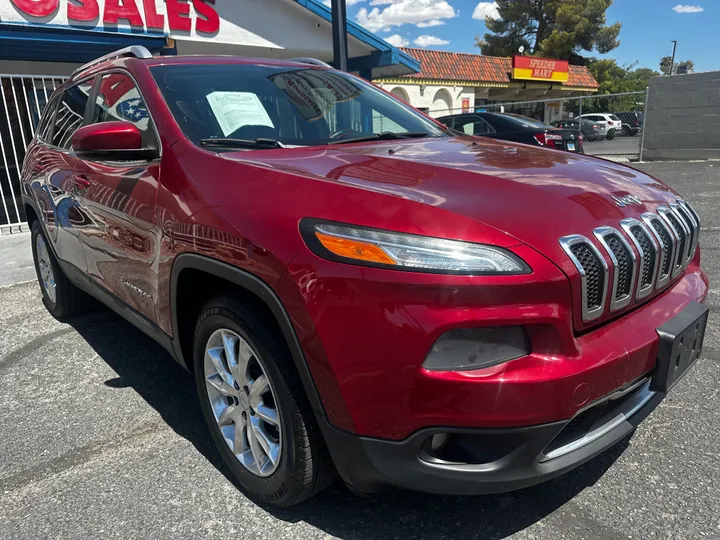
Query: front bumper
x=505, y=459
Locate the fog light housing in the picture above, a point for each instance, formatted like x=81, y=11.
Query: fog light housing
x=477, y=348
x=438, y=441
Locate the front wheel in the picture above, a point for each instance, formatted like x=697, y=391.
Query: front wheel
x=254, y=404
x=61, y=298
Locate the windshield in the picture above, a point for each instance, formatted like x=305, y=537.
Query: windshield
x=294, y=107
x=524, y=121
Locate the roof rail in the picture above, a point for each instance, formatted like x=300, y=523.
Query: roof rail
x=312, y=61
x=138, y=51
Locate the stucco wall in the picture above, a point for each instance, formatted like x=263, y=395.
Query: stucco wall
x=683, y=117
x=433, y=97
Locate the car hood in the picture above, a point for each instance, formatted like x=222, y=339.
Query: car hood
x=534, y=194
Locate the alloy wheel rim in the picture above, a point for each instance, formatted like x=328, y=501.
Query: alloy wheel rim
x=47, y=277
x=243, y=402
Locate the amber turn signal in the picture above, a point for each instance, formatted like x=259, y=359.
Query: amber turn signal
x=354, y=249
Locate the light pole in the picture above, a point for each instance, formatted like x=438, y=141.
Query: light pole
x=672, y=62
x=339, y=34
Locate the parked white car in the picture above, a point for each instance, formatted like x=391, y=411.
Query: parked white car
x=610, y=125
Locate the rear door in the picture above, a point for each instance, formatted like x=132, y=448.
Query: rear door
x=122, y=245
x=53, y=182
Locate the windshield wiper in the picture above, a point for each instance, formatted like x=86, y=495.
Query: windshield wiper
x=384, y=136
x=257, y=144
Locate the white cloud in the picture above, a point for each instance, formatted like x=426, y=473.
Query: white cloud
x=399, y=12
x=328, y=3
x=681, y=8
x=428, y=24
x=486, y=9
x=427, y=41
x=396, y=40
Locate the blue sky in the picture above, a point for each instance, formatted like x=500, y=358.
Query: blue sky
x=648, y=27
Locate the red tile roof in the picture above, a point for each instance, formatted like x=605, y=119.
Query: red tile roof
x=450, y=66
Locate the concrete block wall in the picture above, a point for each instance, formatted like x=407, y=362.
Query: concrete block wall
x=683, y=117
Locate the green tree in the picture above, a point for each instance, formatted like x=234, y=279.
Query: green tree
x=616, y=79
x=665, y=65
x=554, y=28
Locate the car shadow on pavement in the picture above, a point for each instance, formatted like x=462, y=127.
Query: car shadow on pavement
x=144, y=366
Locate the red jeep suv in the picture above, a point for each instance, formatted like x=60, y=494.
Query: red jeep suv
x=354, y=288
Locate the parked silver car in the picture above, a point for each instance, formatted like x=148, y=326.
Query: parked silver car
x=610, y=125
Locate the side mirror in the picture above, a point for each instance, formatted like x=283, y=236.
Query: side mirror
x=111, y=141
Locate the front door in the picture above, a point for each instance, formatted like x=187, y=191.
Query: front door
x=54, y=181
x=122, y=246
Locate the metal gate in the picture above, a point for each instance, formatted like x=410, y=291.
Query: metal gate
x=23, y=98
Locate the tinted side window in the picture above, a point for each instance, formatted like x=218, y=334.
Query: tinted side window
x=473, y=125
x=70, y=114
x=118, y=99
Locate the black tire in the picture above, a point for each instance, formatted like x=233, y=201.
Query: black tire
x=305, y=467
x=610, y=134
x=69, y=300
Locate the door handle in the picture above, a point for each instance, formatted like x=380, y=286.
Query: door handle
x=81, y=181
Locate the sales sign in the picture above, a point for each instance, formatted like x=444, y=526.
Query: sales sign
x=175, y=14
x=539, y=69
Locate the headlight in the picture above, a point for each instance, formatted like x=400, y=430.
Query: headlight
x=399, y=251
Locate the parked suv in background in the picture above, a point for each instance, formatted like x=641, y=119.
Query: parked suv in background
x=632, y=122
x=353, y=287
x=610, y=125
x=590, y=130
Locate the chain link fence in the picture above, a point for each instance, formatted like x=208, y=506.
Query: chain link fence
x=611, y=124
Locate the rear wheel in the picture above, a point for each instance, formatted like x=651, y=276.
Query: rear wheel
x=61, y=298
x=254, y=404
x=610, y=134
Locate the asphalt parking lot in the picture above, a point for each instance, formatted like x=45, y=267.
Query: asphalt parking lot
x=101, y=437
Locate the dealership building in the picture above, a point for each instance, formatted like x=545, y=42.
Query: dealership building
x=452, y=83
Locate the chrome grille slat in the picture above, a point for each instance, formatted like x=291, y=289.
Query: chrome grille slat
x=648, y=255
x=593, y=272
x=680, y=236
x=624, y=265
x=689, y=231
x=683, y=209
x=666, y=247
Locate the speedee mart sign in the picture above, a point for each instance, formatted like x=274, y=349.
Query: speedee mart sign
x=151, y=15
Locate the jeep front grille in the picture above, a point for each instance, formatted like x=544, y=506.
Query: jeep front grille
x=644, y=255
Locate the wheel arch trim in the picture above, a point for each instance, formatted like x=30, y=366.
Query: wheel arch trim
x=259, y=288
